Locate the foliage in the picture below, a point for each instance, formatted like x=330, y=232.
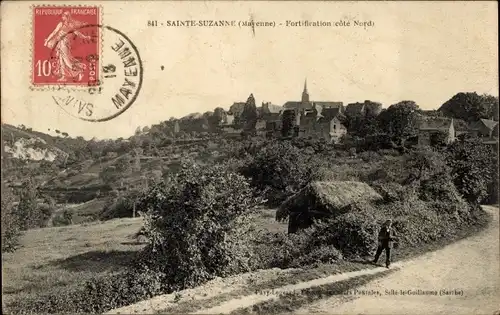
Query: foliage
x=473, y=166
x=438, y=139
x=361, y=125
x=424, y=163
x=471, y=106
x=399, y=121
x=63, y=218
x=249, y=114
x=281, y=250
x=122, y=206
x=10, y=222
x=30, y=213
x=199, y=225
x=97, y=295
x=288, y=123
x=279, y=170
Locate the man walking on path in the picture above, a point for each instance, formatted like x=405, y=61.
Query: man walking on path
x=386, y=237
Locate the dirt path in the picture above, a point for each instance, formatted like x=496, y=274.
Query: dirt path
x=470, y=267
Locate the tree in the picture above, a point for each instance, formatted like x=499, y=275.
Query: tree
x=399, y=121
x=138, y=131
x=471, y=106
x=279, y=170
x=28, y=206
x=249, y=114
x=218, y=116
x=10, y=221
x=423, y=164
x=373, y=109
x=109, y=175
x=199, y=225
x=288, y=123
x=438, y=139
x=473, y=167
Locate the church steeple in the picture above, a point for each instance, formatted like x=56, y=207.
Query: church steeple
x=305, y=96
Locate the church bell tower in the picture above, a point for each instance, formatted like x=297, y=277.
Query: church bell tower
x=305, y=96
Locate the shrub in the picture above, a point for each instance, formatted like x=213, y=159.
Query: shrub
x=439, y=187
x=97, y=295
x=390, y=191
x=121, y=207
x=279, y=170
x=473, y=166
x=283, y=250
x=370, y=156
x=29, y=212
x=199, y=225
x=353, y=233
x=63, y=218
x=424, y=164
x=10, y=222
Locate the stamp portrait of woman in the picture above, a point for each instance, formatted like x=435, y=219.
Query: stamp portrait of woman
x=66, y=65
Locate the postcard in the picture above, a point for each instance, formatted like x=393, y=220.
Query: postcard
x=250, y=157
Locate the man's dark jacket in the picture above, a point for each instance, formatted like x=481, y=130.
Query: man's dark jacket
x=387, y=236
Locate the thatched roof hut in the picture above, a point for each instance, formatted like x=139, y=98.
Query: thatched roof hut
x=323, y=199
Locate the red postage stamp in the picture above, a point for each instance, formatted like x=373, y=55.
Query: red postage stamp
x=66, y=45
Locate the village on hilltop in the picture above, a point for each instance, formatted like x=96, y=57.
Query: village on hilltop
x=325, y=120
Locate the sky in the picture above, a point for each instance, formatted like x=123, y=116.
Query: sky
x=421, y=51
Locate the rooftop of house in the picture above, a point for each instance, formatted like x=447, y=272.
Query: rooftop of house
x=268, y=108
x=324, y=104
x=292, y=105
x=329, y=104
x=490, y=124
x=354, y=108
x=441, y=123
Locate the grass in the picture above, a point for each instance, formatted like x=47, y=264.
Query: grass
x=84, y=212
x=58, y=257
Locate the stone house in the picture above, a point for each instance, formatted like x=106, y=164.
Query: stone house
x=483, y=128
x=322, y=123
x=431, y=126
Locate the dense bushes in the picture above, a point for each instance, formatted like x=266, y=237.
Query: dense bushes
x=279, y=170
x=473, y=167
x=10, y=222
x=283, y=250
x=30, y=213
x=199, y=225
x=120, y=207
x=97, y=295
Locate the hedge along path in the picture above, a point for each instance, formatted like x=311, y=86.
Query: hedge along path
x=469, y=266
